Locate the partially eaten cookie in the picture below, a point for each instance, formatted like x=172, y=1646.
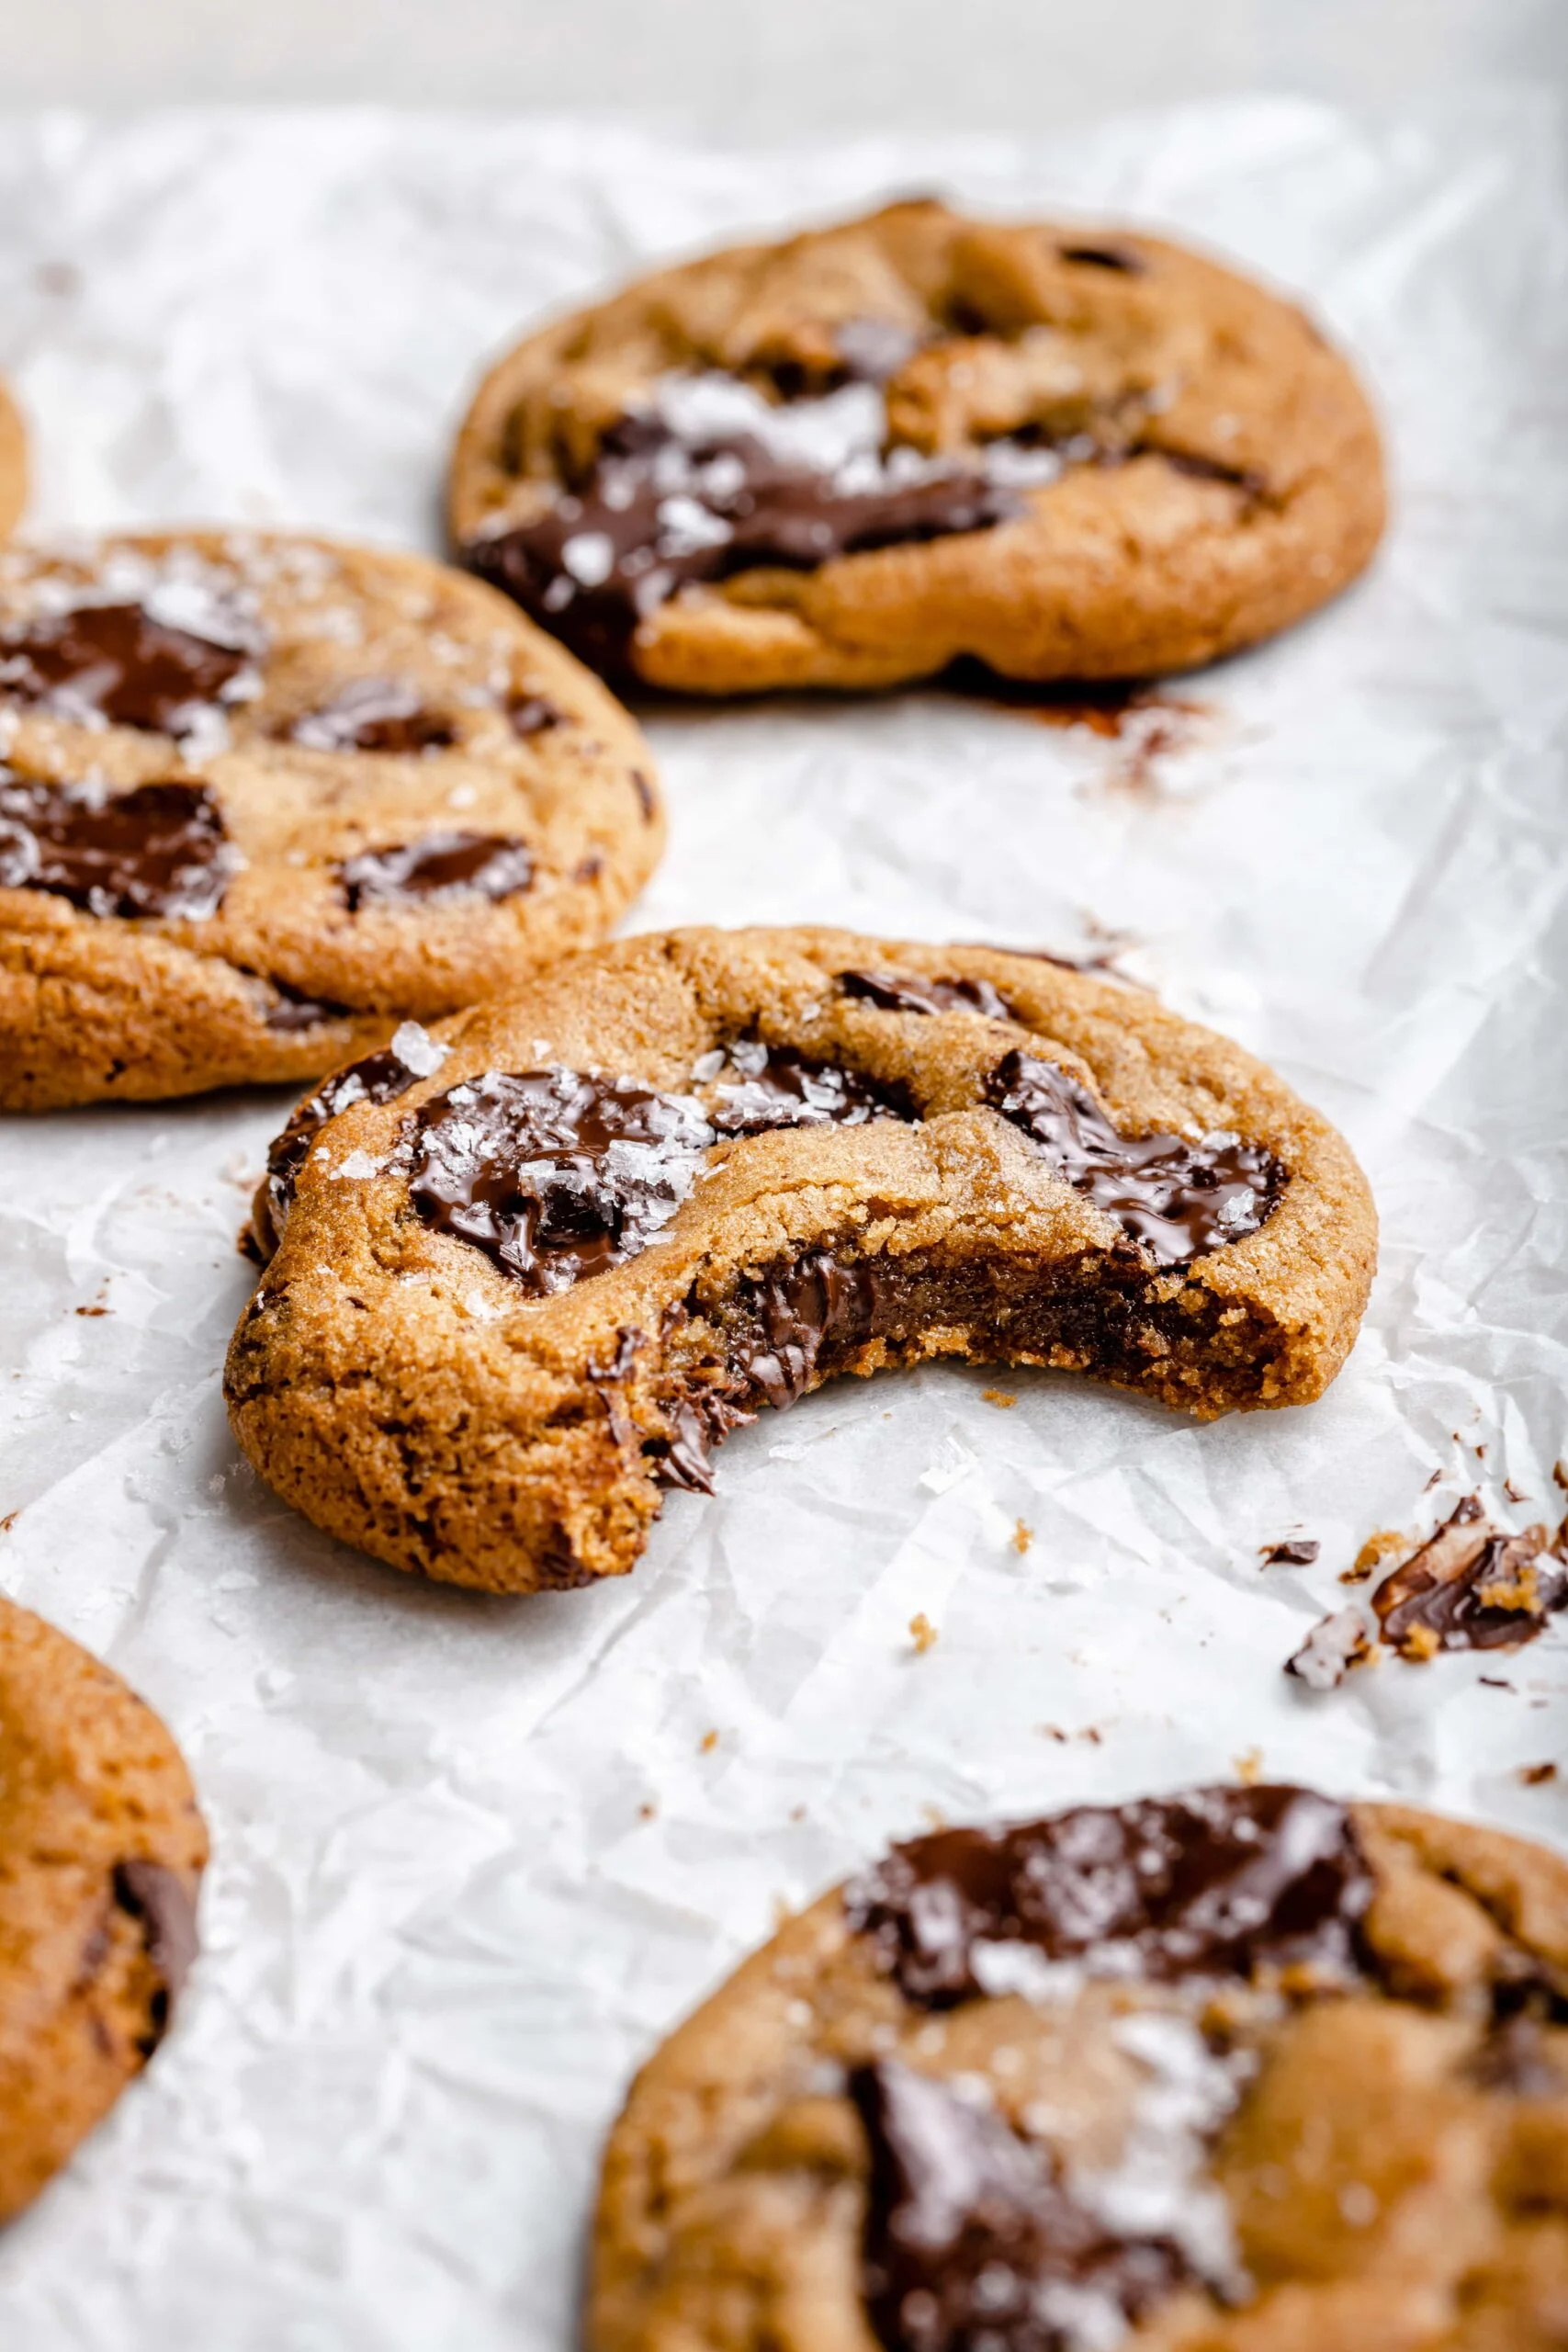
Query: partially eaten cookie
x=528, y=1269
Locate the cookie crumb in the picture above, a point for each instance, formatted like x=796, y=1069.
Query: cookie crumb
x=1053, y=1731
x=707, y=1743
x=1533, y=1775
x=922, y=1633
x=95, y=1308
x=1249, y=1767
x=1514, y=1493
x=646, y=1812
x=10, y=1520
x=997, y=1397
x=1296, y=1552
x=1022, y=1537
x=1560, y=1475
x=1373, y=1553
x=1420, y=1644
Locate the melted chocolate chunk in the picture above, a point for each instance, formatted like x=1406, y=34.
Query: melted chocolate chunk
x=161, y=850
x=374, y=715
x=154, y=1895
x=1177, y=1199
x=295, y=1011
x=895, y=993
x=1192, y=463
x=1471, y=1587
x=660, y=510
x=117, y=662
x=378, y=1078
x=443, y=866
x=761, y=1086
x=1218, y=1881
x=971, y=2242
x=1107, y=256
x=533, y=715
x=554, y=1175
x=786, y=1317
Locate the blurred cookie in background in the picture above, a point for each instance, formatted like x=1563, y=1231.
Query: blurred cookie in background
x=855, y=457
x=1238, y=2070
x=261, y=797
x=101, y=1854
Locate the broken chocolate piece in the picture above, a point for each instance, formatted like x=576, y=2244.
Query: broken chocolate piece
x=972, y=2244
x=378, y=1078
x=1177, y=1199
x=896, y=992
x=374, y=715
x=1299, y=1551
x=1218, y=1881
x=760, y=1086
x=555, y=1175
x=161, y=850
x=1470, y=1587
x=116, y=662
x=443, y=866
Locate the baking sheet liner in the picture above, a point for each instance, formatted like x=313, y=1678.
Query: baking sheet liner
x=474, y=1858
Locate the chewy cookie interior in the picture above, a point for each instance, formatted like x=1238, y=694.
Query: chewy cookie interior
x=693, y=1176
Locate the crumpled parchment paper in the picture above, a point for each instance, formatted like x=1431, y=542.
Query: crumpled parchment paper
x=473, y=1859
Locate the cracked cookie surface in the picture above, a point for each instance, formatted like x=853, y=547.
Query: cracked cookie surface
x=1240, y=2070
x=262, y=796
x=101, y=1854
x=856, y=457
x=527, y=1270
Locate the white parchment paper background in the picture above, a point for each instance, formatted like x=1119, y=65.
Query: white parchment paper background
x=473, y=1859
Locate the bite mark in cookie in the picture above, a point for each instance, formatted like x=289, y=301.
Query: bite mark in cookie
x=871, y=451
x=704, y=1161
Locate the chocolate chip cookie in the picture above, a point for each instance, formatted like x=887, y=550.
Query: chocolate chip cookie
x=101, y=1853
x=851, y=459
x=12, y=463
x=261, y=797
x=530, y=1267
x=1239, y=2070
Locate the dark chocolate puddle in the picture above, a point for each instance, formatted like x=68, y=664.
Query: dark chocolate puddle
x=375, y=715
x=161, y=850
x=117, y=662
x=441, y=866
x=971, y=2242
x=662, y=508
x=1177, y=1199
x=904, y=992
x=1215, y=1883
x=554, y=1175
x=380, y=1076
